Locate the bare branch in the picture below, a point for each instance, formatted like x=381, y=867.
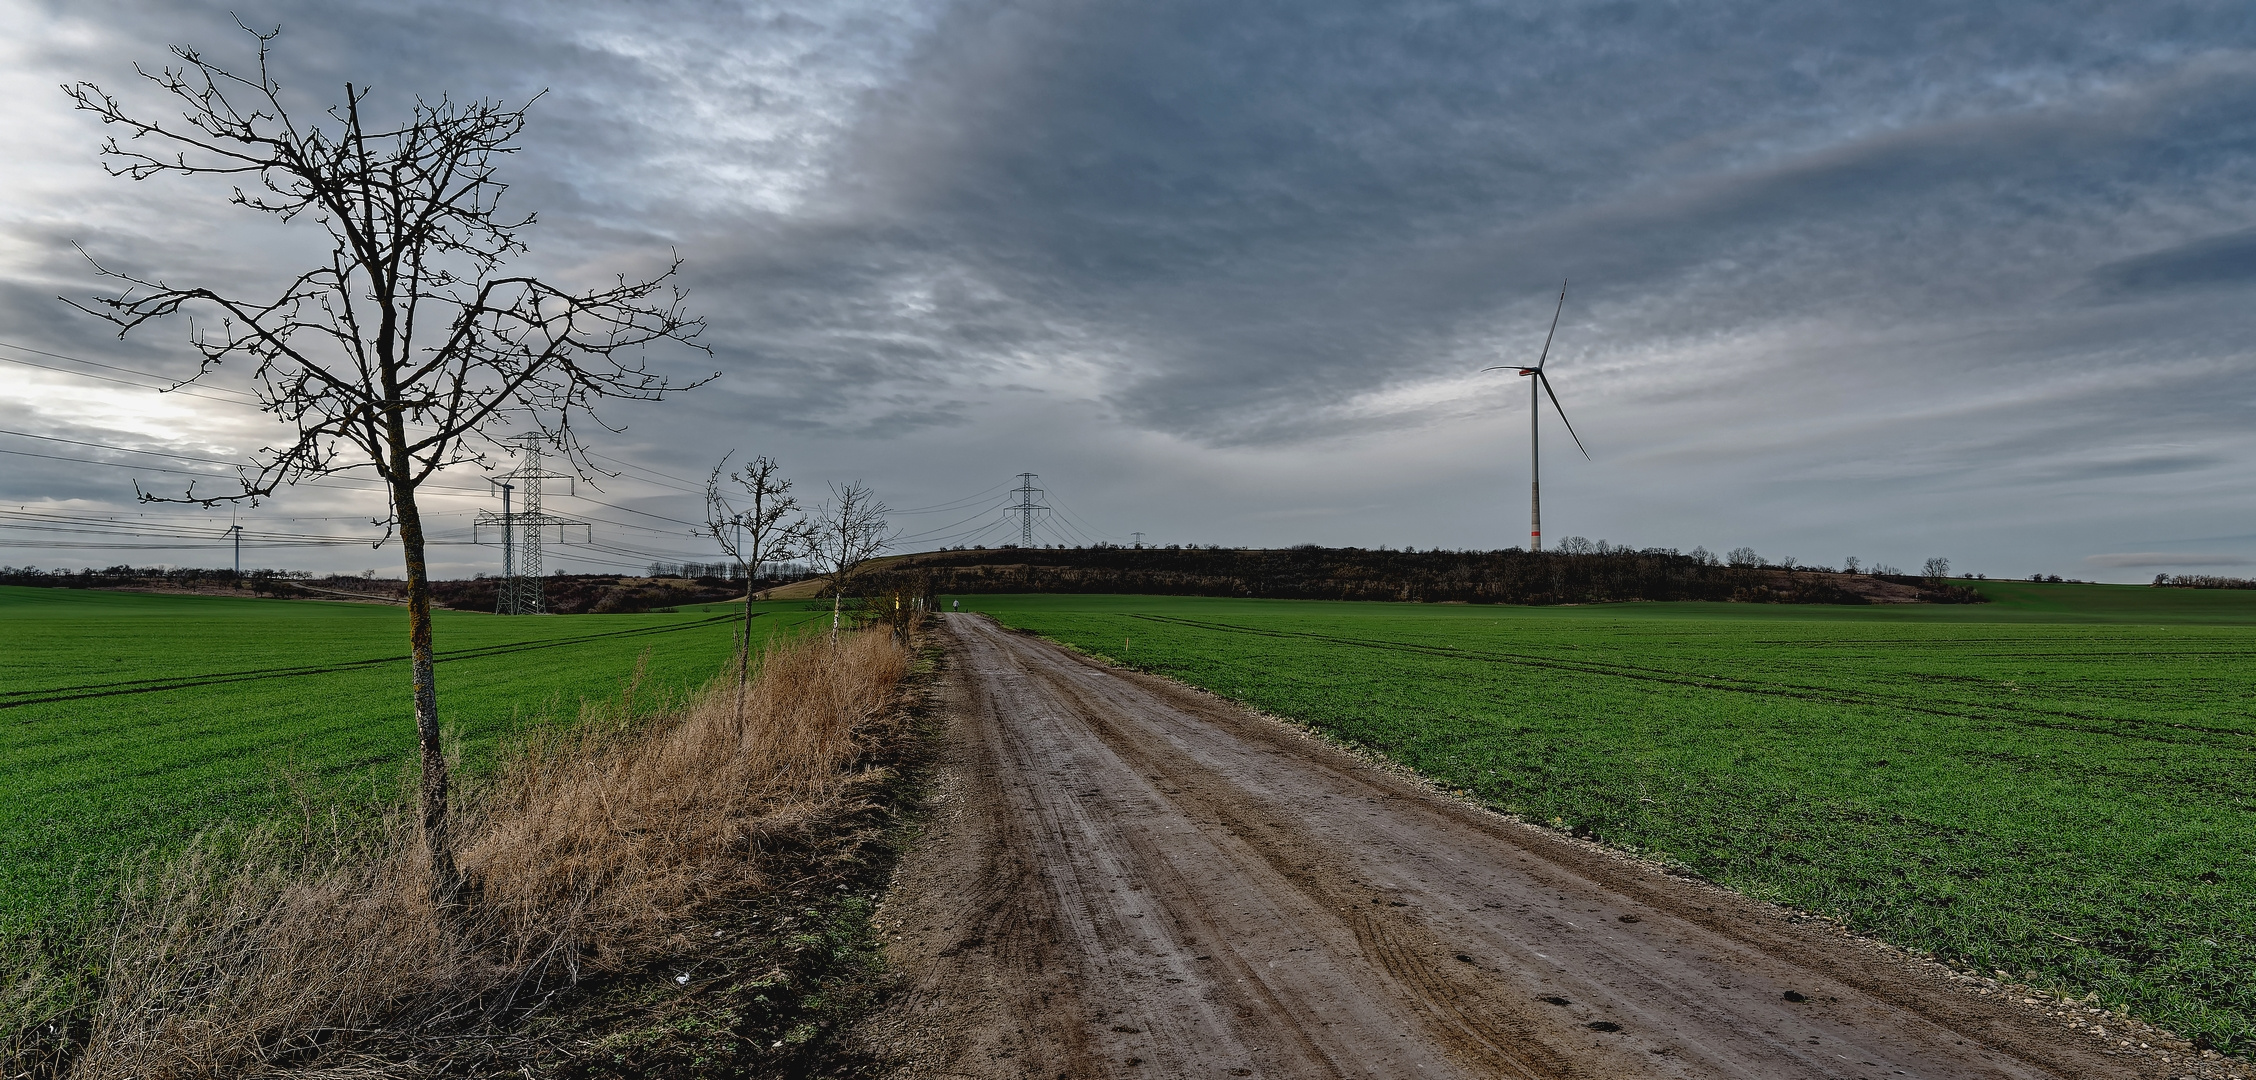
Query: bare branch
x=848, y=531
x=757, y=534
x=413, y=211
x=405, y=349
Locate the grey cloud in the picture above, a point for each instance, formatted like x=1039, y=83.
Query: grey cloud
x=2165, y=559
x=1945, y=264
x=1266, y=209
x=2224, y=260
x=2123, y=467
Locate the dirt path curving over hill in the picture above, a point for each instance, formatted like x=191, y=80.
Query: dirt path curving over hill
x=1127, y=878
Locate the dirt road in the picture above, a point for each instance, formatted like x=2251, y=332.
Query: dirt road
x=1127, y=878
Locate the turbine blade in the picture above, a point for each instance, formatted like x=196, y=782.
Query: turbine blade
x=1554, y=325
x=1539, y=377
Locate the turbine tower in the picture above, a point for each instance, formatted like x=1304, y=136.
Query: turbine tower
x=1537, y=391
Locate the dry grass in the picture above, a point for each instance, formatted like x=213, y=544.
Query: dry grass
x=594, y=848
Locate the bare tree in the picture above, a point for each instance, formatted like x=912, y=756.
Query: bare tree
x=847, y=532
x=406, y=350
x=1936, y=570
x=753, y=536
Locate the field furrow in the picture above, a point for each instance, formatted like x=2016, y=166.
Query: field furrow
x=2022, y=786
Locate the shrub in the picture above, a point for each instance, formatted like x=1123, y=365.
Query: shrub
x=596, y=847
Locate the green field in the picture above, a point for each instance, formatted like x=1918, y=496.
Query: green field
x=129, y=721
x=2061, y=784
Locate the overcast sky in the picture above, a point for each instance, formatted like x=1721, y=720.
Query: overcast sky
x=1894, y=281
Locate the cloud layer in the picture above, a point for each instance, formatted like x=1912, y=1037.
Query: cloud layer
x=1897, y=282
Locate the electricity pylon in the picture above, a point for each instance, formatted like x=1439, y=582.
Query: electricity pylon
x=523, y=590
x=1027, y=495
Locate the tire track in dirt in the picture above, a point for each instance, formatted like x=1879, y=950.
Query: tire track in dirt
x=1129, y=878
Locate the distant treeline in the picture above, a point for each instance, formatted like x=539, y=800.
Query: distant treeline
x=563, y=594
x=596, y=594
x=728, y=571
x=186, y=577
x=567, y=594
x=2202, y=581
x=1511, y=576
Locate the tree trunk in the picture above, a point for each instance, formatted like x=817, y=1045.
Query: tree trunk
x=744, y=650
x=837, y=596
x=446, y=880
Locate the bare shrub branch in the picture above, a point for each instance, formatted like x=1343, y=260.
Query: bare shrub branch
x=407, y=319
x=405, y=348
x=754, y=535
x=847, y=532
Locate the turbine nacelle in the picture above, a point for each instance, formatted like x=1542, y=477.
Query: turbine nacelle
x=1542, y=381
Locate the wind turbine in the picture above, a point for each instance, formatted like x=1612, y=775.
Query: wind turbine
x=1535, y=405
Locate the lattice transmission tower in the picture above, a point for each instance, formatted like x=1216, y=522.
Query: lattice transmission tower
x=523, y=588
x=1029, y=498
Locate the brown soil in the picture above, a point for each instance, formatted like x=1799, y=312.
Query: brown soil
x=1874, y=590
x=1124, y=877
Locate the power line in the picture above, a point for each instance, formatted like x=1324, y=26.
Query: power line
x=1082, y=523
x=124, y=449
x=522, y=591
x=952, y=505
x=112, y=464
x=69, y=523
x=1066, y=524
x=325, y=481
x=1050, y=525
x=278, y=540
x=696, y=490
x=632, y=510
x=82, y=545
x=945, y=529
x=181, y=390
x=274, y=538
x=1002, y=524
x=160, y=377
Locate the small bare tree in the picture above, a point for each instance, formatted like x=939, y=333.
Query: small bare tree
x=847, y=532
x=406, y=349
x=754, y=536
x=1936, y=571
